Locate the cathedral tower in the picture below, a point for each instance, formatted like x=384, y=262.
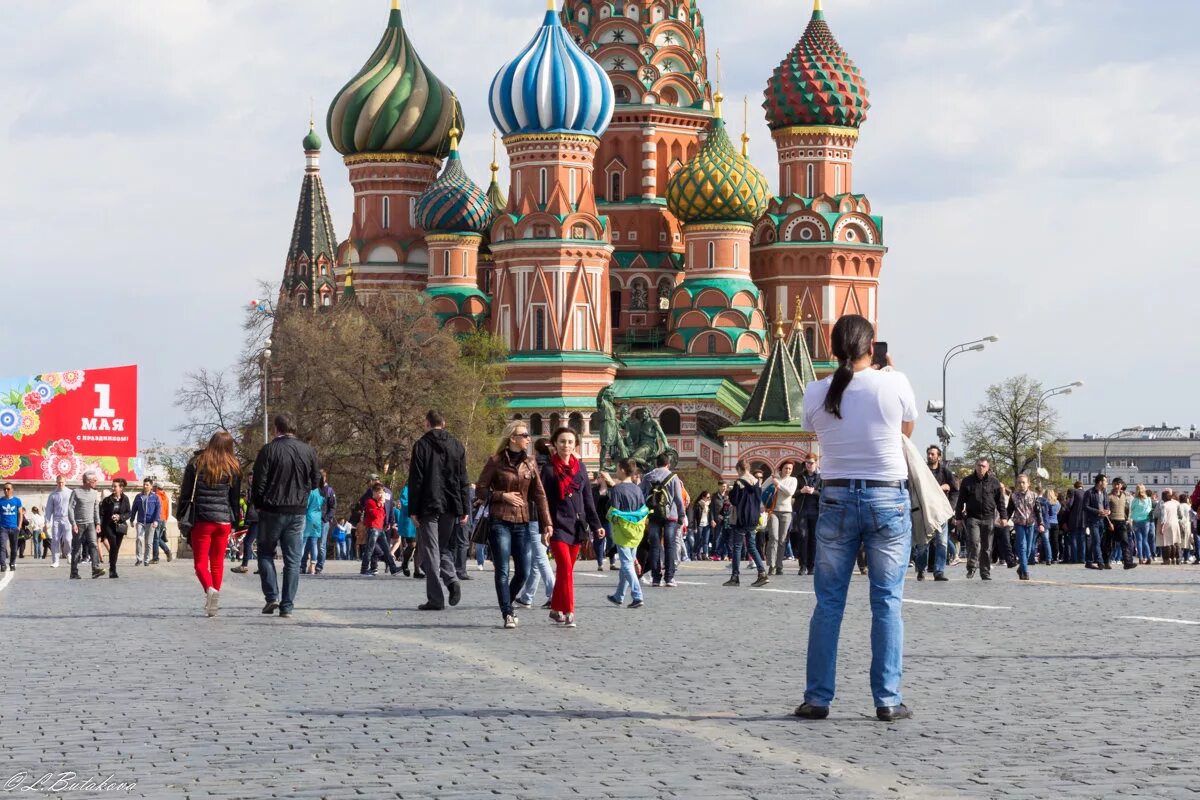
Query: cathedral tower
x=308, y=271
x=654, y=53
x=392, y=123
x=819, y=247
x=551, y=248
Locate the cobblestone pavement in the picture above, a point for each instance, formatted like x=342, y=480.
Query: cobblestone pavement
x=1031, y=690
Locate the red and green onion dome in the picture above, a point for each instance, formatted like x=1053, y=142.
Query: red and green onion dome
x=395, y=104
x=718, y=184
x=817, y=84
x=454, y=203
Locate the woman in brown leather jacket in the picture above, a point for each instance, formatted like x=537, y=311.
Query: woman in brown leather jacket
x=509, y=483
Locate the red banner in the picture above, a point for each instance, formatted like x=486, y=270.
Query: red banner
x=68, y=423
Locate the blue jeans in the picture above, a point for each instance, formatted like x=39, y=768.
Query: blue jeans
x=939, y=544
x=1078, y=546
x=1095, y=541
x=1026, y=541
x=509, y=540
x=881, y=520
x=343, y=549
x=703, y=536
x=286, y=532
x=539, y=570
x=323, y=545
x=658, y=532
x=721, y=540
x=1144, y=536
x=628, y=575
x=311, y=543
x=377, y=537
x=248, y=543
x=738, y=537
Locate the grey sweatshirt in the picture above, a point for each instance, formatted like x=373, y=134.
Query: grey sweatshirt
x=58, y=505
x=84, y=508
x=675, y=488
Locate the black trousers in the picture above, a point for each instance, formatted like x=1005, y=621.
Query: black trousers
x=803, y=535
x=460, y=548
x=1121, y=534
x=113, y=539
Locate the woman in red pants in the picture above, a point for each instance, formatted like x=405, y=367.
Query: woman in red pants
x=211, y=492
x=573, y=520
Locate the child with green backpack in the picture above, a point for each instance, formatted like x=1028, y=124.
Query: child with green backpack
x=628, y=513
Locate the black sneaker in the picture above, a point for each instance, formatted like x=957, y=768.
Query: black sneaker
x=270, y=607
x=763, y=580
x=985, y=577
x=429, y=607
x=636, y=604
x=734, y=581
x=366, y=573
x=614, y=600
x=96, y=572
x=395, y=571
x=418, y=575
x=406, y=571
x=1130, y=565
x=546, y=604
x=809, y=711
x=284, y=614
x=75, y=576
x=970, y=574
x=920, y=576
x=3, y=568
x=937, y=576
x=455, y=593
x=893, y=713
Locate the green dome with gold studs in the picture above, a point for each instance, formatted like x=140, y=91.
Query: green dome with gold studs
x=718, y=184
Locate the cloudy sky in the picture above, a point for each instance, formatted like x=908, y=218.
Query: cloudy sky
x=1035, y=161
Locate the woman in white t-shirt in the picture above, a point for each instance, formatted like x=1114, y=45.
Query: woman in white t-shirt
x=859, y=415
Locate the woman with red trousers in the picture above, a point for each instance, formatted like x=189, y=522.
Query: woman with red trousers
x=573, y=517
x=212, y=483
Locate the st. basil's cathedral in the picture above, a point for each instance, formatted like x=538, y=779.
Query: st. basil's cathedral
x=638, y=247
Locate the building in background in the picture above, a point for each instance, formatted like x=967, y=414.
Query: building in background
x=1161, y=457
x=638, y=247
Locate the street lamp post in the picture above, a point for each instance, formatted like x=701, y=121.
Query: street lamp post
x=1108, y=440
x=957, y=350
x=1042, y=398
x=266, y=381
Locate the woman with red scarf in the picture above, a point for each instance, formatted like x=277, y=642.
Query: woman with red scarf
x=573, y=517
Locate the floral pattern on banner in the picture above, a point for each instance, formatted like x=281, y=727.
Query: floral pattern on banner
x=20, y=409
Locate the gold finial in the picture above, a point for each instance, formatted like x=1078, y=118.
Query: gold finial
x=349, y=277
x=799, y=314
x=718, y=97
x=779, y=327
x=395, y=5
x=816, y=6
x=550, y=5
x=455, y=131
x=745, y=127
x=312, y=112
x=495, y=166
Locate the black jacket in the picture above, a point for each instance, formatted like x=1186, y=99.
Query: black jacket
x=285, y=471
x=220, y=503
x=574, y=517
x=437, y=476
x=980, y=499
x=807, y=505
x=943, y=475
x=110, y=506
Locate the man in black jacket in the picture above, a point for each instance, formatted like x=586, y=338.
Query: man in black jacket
x=285, y=472
x=437, y=497
x=941, y=542
x=806, y=504
x=980, y=499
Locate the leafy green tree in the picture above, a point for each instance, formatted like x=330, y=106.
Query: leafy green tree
x=1006, y=429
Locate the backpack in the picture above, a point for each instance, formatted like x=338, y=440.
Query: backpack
x=660, y=501
x=746, y=505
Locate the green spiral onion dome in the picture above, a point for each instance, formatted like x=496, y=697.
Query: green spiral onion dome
x=395, y=104
x=454, y=203
x=817, y=84
x=312, y=141
x=718, y=184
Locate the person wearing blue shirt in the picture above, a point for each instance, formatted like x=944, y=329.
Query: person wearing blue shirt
x=408, y=531
x=12, y=516
x=145, y=513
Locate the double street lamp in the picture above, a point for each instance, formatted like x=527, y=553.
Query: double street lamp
x=936, y=408
x=264, y=365
x=1066, y=388
x=1108, y=440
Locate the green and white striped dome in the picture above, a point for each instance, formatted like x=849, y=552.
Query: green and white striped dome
x=395, y=104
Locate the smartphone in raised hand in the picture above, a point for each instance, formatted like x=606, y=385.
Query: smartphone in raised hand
x=879, y=358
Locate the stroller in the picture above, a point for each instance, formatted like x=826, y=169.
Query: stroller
x=233, y=549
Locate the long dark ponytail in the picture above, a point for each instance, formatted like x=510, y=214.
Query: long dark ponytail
x=851, y=340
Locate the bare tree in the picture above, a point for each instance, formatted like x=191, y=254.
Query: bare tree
x=211, y=402
x=1006, y=428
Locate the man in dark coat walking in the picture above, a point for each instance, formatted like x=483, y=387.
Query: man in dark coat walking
x=437, y=498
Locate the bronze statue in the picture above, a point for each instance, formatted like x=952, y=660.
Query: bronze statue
x=623, y=436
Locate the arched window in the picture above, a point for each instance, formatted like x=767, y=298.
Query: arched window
x=669, y=420
x=539, y=329
x=576, y=422
x=837, y=179
x=622, y=94
x=387, y=212
x=665, y=287
x=571, y=178
x=535, y=425
x=555, y=423
x=542, y=186
x=616, y=191
x=737, y=255
x=809, y=179
x=614, y=301
x=712, y=343
x=446, y=263
x=712, y=254
x=639, y=295
x=810, y=339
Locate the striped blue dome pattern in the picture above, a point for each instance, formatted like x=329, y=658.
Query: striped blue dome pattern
x=552, y=87
x=454, y=203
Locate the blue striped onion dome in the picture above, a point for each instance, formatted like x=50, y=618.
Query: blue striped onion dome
x=552, y=86
x=454, y=203
x=395, y=104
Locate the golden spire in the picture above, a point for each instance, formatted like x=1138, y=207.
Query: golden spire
x=349, y=277
x=745, y=127
x=495, y=166
x=455, y=131
x=395, y=5
x=816, y=6
x=799, y=315
x=779, y=321
x=718, y=97
x=550, y=5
